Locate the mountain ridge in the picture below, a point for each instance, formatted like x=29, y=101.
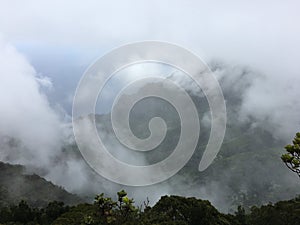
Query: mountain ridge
x=17, y=184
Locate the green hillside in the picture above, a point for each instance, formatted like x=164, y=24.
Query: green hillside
x=17, y=185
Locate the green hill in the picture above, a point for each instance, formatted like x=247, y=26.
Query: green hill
x=17, y=185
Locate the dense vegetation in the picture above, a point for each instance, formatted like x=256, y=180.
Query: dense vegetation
x=17, y=184
x=173, y=210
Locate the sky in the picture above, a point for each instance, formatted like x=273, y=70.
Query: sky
x=61, y=39
x=45, y=47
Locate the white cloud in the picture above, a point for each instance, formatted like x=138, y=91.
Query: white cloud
x=31, y=131
x=25, y=113
x=263, y=35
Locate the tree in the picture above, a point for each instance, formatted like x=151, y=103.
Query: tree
x=116, y=212
x=54, y=210
x=292, y=157
x=22, y=213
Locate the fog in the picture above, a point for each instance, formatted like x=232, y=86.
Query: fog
x=252, y=48
x=25, y=112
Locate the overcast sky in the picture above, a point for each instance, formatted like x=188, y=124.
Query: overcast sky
x=60, y=39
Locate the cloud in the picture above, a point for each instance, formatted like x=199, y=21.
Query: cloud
x=233, y=29
x=266, y=100
x=261, y=35
x=273, y=104
x=32, y=132
x=25, y=113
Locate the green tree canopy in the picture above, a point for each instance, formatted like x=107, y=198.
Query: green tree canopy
x=292, y=156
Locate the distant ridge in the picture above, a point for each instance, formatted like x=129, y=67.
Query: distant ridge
x=16, y=185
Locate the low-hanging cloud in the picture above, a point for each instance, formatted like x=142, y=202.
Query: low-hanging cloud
x=25, y=114
x=273, y=104
x=31, y=130
x=262, y=35
x=266, y=100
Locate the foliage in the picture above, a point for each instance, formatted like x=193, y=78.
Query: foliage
x=292, y=157
x=24, y=214
x=116, y=212
x=181, y=210
x=284, y=212
x=16, y=184
x=169, y=210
